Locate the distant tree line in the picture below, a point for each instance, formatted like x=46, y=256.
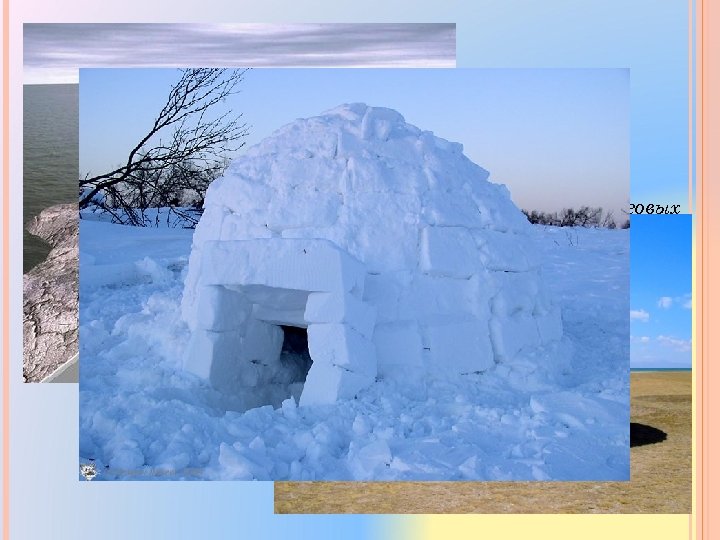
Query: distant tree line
x=585, y=216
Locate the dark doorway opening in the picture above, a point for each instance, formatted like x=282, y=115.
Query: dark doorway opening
x=641, y=434
x=295, y=353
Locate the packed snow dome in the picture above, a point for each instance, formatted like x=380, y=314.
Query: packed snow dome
x=381, y=241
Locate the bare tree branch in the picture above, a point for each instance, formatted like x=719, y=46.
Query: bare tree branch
x=195, y=150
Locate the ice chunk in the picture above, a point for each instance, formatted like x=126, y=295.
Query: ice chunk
x=365, y=461
x=379, y=123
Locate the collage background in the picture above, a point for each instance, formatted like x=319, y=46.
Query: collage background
x=47, y=501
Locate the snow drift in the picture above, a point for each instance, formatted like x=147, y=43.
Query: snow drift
x=392, y=248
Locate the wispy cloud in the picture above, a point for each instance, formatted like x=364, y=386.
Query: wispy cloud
x=639, y=315
x=660, y=351
x=665, y=302
x=677, y=344
x=685, y=300
x=54, y=52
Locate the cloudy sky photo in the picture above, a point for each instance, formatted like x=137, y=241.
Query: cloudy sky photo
x=54, y=52
x=660, y=297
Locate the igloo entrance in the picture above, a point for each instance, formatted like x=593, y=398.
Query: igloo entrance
x=275, y=316
x=295, y=353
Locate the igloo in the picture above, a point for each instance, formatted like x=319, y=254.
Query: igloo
x=383, y=242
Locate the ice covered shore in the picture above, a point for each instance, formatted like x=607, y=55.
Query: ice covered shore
x=50, y=295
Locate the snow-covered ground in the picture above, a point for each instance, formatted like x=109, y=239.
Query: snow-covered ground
x=143, y=417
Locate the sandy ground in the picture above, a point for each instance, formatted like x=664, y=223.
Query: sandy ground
x=661, y=475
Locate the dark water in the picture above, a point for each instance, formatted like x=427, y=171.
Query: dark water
x=50, y=156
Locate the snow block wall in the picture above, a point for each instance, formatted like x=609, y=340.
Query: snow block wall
x=386, y=242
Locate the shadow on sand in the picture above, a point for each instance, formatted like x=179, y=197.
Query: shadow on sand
x=641, y=434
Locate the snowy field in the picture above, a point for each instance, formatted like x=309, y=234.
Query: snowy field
x=142, y=417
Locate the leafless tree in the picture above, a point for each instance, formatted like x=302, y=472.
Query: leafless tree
x=184, y=149
x=608, y=221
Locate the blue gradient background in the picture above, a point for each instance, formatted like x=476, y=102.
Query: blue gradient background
x=647, y=36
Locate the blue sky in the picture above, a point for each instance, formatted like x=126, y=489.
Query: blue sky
x=555, y=137
x=661, y=284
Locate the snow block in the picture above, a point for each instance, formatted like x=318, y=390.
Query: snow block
x=209, y=228
x=364, y=176
x=220, y=309
x=213, y=356
x=231, y=362
x=510, y=335
x=505, y=251
x=340, y=345
x=398, y=345
x=289, y=317
x=327, y=383
x=300, y=264
x=296, y=209
x=550, y=326
x=240, y=197
x=451, y=209
x=459, y=347
x=497, y=209
x=516, y=293
x=340, y=308
x=236, y=226
x=378, y=123
x=447, y=252
x=384, y=290
x=262, y=343
x=428, y=297
x=369, y=222
x=203, y=344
